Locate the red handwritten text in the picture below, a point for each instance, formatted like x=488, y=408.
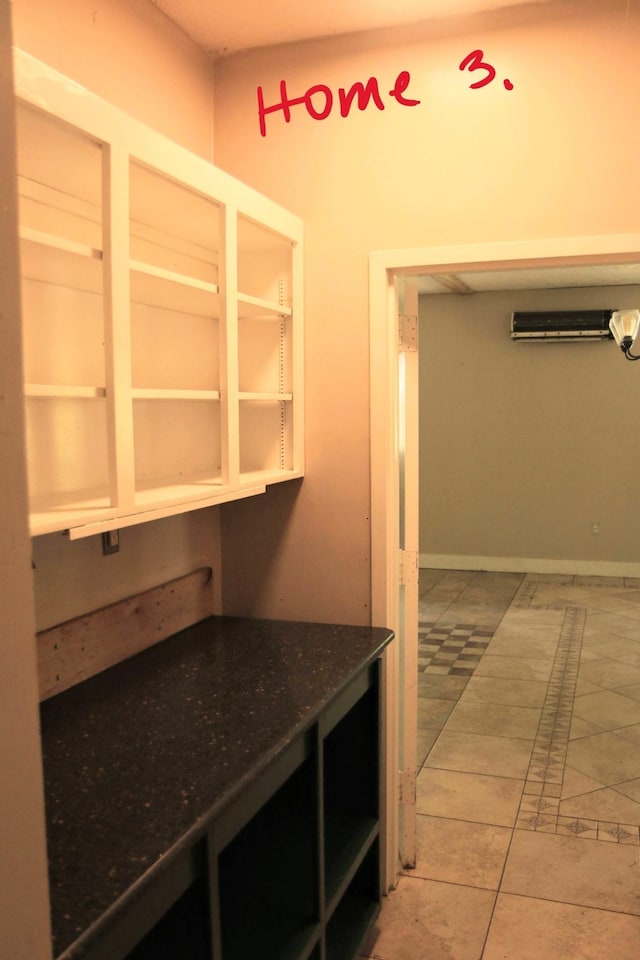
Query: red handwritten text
x=474, y=61
x=318, y=100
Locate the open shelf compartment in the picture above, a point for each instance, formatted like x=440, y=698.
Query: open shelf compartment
x=351, y=791
x=173, y=350
x=352, y=921
x=173, y=228
x=265, y=355
x=56, y=310
x=268, y=876
x=67, y=453
x=184, y=931
x=265, y=436
x=264, y=263
x=177, y=443
x=60, y=186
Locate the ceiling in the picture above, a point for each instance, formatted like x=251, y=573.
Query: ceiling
x=535, y=278
x=223, y=27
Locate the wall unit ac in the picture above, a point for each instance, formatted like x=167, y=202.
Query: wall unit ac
x=561, y=325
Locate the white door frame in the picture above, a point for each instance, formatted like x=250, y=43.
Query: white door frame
x=384, y=266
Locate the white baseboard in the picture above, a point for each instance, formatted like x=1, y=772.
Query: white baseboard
x=589, y=568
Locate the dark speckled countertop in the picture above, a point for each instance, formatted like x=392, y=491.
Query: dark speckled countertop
x=140, y=755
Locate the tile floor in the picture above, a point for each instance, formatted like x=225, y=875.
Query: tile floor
x=528, y=790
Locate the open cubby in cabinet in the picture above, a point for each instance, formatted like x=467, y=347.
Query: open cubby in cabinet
x=294, y=866
x=286, y=867
x=162, y=315
x=183, y=931
x=268, y=876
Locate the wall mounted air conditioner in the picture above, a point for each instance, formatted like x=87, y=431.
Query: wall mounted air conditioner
x=563, y=325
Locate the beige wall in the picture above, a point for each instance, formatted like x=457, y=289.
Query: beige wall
x=71, y=577
x=550, y=158
x=524, y=445
x=134, y=57
x=129, y=53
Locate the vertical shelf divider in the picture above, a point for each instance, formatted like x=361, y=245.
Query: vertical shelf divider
x=229, y=362
x=281, y=377
x=214, y=894
x=322, y=896
x=297, y=359
x=115, y=193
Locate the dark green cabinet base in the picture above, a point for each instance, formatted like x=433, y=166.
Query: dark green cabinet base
x=218, y=797
x=300, y=879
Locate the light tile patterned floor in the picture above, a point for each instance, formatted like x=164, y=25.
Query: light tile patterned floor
x=529, y=784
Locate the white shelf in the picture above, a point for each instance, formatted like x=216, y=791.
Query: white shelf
x=143, y=393
x=281, y=397
x=180, y=278
x=255, y=308
x=54, y=390
x=166, y=250
x=46, y=518
x=144, y=515
x=43, y=202
x=165, y=290
x=59, y=243
x=171, y=493
x=60, y=267
x=249, y=478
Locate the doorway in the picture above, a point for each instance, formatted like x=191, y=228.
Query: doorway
x=386, y=475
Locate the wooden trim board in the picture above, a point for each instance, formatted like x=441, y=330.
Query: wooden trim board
x=78, y=649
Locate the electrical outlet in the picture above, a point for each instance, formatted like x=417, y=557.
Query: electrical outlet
x=595, y=528
x=110, y=542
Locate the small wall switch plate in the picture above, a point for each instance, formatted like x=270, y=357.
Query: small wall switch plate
x=110, y=542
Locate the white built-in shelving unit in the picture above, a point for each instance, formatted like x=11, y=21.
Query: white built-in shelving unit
x=162, y=318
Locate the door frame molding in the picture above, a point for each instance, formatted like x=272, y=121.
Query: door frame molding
x=384, y=266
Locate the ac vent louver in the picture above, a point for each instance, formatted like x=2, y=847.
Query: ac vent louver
x=561, y=325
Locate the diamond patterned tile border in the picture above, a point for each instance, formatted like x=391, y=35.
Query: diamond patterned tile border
x=526, y=593
x=550, y=746
x=540, y=801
